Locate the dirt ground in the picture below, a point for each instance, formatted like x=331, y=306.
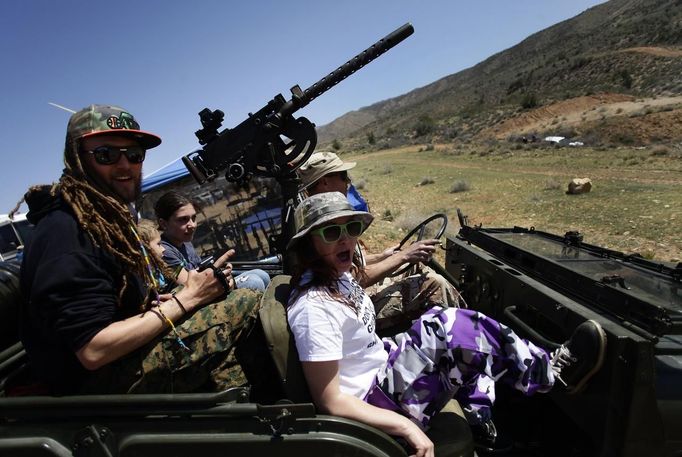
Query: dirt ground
x=655, y=51
x=580, y=111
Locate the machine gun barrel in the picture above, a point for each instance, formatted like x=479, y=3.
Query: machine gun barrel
x=347, y=69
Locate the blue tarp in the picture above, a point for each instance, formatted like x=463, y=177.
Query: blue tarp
x=176, y=170
x=262, y=219
x=168, y=173
x=356, y=199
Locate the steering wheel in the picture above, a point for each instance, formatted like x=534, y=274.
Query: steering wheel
x=419, y=230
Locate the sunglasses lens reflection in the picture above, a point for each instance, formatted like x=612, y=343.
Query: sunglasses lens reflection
x=331, y=233
x=106, y=155
x=354, y=228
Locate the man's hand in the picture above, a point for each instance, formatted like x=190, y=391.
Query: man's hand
x=222, y=260
x=203, y=286
x=421, y=251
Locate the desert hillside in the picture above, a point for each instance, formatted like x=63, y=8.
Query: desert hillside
x=609, y=76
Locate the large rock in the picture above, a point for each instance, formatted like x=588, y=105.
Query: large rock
x=579, y=186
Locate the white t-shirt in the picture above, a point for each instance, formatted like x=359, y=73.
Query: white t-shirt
x=326, y=329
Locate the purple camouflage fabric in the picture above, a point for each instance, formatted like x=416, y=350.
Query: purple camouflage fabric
x=444, y=353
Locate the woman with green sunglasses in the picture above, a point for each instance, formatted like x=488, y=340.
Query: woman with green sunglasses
x=398, y=383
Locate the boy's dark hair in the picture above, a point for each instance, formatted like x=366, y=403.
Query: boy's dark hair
x=169, y=203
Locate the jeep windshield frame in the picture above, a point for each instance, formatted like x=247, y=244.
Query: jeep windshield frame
x=608, y=280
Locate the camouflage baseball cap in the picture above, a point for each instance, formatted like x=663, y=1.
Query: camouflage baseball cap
x=320, y=208
x=320, y=164
x=106, y=119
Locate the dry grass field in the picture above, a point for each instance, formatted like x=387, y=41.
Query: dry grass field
x=635, y=205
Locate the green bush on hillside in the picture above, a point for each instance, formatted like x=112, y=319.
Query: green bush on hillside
x=424, y=126
x=529, y=100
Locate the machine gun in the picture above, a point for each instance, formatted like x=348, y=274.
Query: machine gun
x=272, y=142
x=257, y=145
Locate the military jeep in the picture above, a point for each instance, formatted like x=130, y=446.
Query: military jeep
x=540, y=284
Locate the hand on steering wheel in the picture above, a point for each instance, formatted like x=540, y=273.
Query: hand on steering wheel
x=421, y=251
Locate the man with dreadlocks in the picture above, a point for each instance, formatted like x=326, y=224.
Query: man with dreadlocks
x=94, y=321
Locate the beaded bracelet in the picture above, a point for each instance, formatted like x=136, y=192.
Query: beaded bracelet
x=177, y=300
x=162, y=316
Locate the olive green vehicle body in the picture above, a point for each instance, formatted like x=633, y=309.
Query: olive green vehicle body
x=543, y=286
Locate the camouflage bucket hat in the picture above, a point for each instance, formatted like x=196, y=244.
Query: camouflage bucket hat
x=320, y=208
x=320, y=164
x=106, y=119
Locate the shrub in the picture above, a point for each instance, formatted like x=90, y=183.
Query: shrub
x=529, y=100
x=513, y=87
x=660, y=151
x=425, y=181
x=360, y=184
x=336, y=144
x=370, y=138
x=387, y=215
x=626, y=78
x=624, y=138
x=424, y=126
x=387, y=170
x=552, y=184
x=459, y=186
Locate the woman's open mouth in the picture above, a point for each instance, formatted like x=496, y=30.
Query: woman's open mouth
x=344, y=256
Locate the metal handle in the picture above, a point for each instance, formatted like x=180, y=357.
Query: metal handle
x=547, y=344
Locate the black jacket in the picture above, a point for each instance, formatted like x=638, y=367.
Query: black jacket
x=71, y=292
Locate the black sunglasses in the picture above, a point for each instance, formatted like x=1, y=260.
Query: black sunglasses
x=341, y=174
x=332, y=233
x=109, y=155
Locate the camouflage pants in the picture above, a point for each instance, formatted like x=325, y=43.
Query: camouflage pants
x=400, y=300
x=404, y=298
x=163, y=366
x=445, y=351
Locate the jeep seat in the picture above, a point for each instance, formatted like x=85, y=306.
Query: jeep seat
x=448, y=430
x=280, y=342
x=10, y=303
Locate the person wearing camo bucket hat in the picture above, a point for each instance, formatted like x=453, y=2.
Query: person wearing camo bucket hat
x=396, y=299
x=398, y=383
x=321, y=208
x=94, y=321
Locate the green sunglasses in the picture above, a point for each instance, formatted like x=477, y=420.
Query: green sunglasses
x=332, y=233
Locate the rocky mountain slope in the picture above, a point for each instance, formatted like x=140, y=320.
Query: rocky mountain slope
x=611, y=75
